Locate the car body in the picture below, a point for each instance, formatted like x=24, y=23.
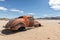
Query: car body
x=21, y=23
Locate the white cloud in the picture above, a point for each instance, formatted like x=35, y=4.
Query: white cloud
x=31, y=13
x=46, y=15
x=16, y=10
x=2, y=0
x=54, y=4
x=12, y=10
x=3, y=8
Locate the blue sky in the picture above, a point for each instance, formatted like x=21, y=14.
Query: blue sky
x=38, y=8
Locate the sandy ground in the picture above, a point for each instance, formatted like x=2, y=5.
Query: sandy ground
x=49, y=31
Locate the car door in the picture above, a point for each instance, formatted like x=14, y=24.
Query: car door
x=31, y=21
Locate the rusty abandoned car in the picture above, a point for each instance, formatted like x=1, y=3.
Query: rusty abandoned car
x=21, y=23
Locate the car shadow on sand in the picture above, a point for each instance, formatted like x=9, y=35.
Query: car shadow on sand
x=8, y=32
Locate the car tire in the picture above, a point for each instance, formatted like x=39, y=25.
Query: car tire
x=37, y=25
x=22, y=29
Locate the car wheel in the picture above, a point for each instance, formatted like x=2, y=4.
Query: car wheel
x=37, y=25
x=22, y=29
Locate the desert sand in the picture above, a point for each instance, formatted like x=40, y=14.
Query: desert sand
x=50, y=30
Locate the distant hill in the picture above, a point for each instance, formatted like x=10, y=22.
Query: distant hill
x=58, y=17
x=4, y=19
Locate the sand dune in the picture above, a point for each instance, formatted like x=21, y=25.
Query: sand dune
x=49, y=31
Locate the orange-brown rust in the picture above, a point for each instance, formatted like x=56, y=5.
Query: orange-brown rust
x=21, y=22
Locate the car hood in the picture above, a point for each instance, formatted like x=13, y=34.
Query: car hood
x=9, y=23
x=13, y=22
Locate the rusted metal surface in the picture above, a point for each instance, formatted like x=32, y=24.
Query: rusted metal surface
x=20, y=22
